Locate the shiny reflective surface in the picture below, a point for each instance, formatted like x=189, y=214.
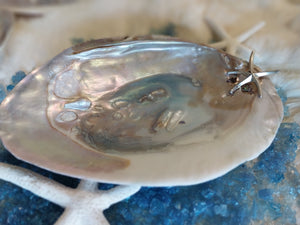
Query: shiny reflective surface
x=144, y=94
x=119, y=111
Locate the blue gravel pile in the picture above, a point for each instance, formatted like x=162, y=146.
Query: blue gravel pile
x=263, y=191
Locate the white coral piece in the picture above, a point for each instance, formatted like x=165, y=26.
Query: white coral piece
x=83, y=205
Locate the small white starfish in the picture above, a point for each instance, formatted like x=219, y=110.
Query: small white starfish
x=83, y=205
x=232, y=44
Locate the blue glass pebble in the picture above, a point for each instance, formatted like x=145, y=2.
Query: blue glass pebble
x=221, y=210
x=10, y=87
x=208, y=193
x=265, y=194
x=2, y=92
x=17, y=77
x=102, y=186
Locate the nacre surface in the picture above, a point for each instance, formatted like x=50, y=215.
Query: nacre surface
x=149, y=111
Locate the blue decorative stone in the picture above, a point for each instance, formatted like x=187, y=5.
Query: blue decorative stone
x=2, y=92
x=265, y=194
x=18, y=77
x=221, y=210
x=208, y=193
x=103, y=186
x=10, y=87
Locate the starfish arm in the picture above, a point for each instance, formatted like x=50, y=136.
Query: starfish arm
x=232, y=47
x=82, y=216
x=220, y=44
x=217, y=29
x=266, y=73
x=234, y=72
x=256, y=81
x=239, y=85
x=231, y=44
x=246, y=35
x=251, y=64
x=37, y=184
x=88, y=204
x=245, y=74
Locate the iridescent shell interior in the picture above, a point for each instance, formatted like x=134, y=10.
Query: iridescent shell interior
x=148, y=111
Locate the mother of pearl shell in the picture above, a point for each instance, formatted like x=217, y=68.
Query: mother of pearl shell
x=149, y=111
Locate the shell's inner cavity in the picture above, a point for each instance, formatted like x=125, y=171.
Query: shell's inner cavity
x=120, y=112
x=144, y=95
x=143, y=114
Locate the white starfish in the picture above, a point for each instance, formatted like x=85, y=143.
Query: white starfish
x=83, y=205
x=232, y=44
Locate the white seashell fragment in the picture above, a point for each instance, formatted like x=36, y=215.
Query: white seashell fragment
x=147, y=111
